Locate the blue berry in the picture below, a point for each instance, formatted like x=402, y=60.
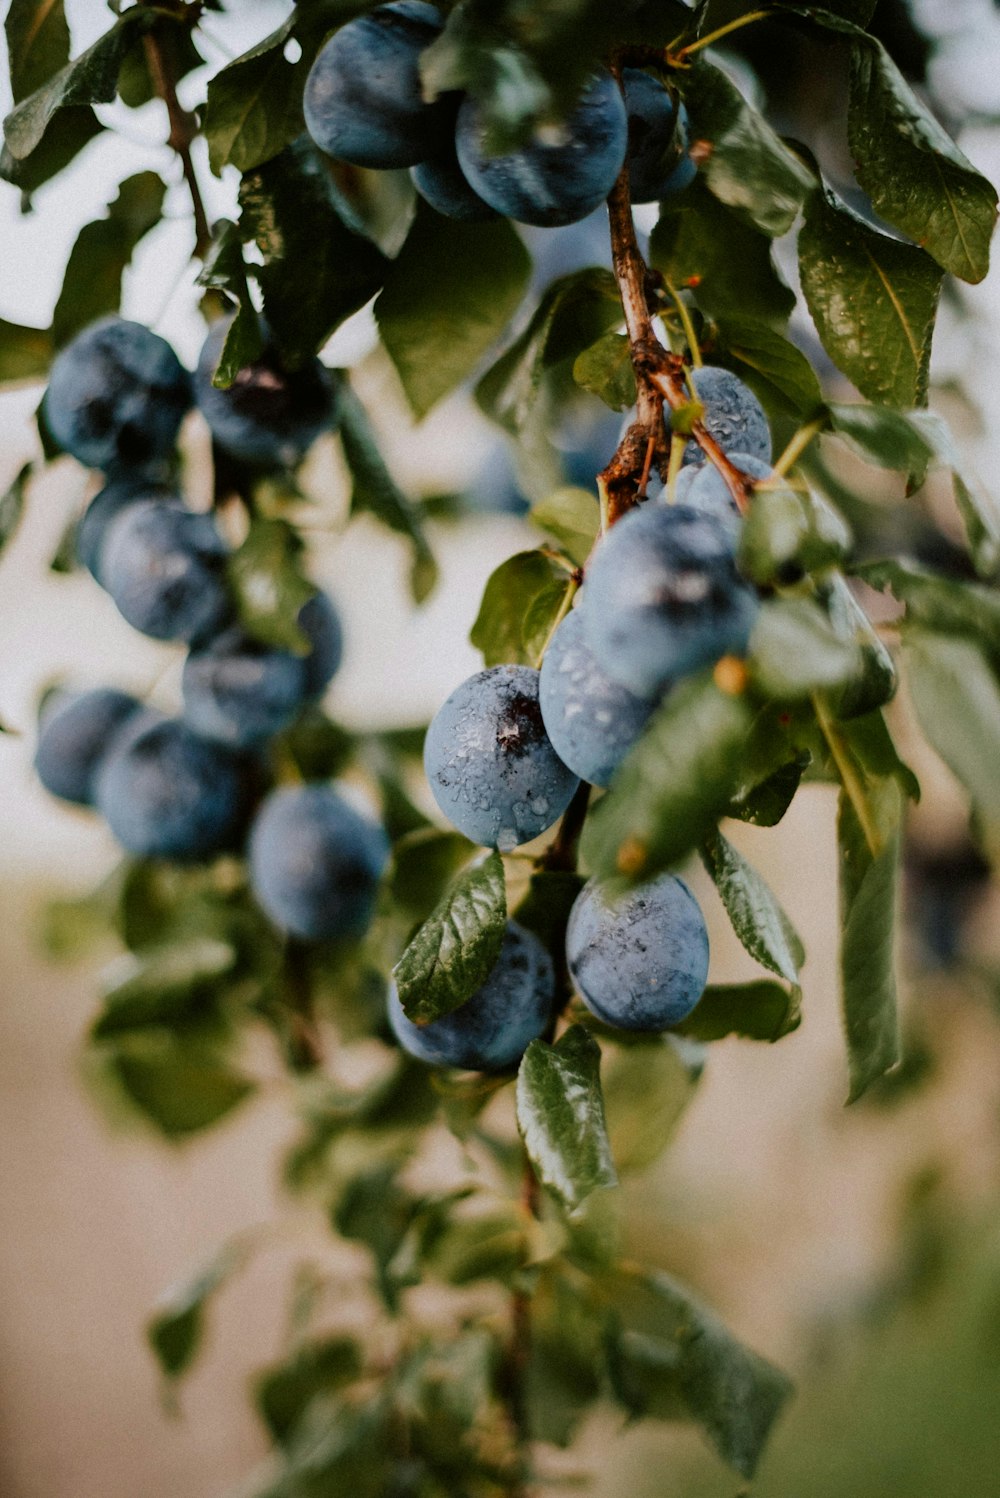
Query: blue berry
x=76, y=732
x=164, y=567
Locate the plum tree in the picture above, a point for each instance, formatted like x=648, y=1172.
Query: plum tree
x=116, y=396
x=363, y=99
x=733, y=415
x=491, y=1031
x=76, y=731
x=163, y=566
x=664, y=597
x=591, y=719
x=490, y=763
x=316, y=862
x=639, y=962
x=555, y=179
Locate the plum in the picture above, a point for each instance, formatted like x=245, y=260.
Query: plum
x=164, y=567
x=76, y=731
x=733, y=415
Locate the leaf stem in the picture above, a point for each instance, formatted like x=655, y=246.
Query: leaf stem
x=849, y=777
x=721, y=31
x=563, y=610
x=182, y=133
x=798, y=445
x=686, y=323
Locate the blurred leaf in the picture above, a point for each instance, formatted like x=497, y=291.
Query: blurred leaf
x=12, y=503
x=647, y=1087
x=269, y=586
x=758, y=920
x=771, y=768
x=254, y=106
x=795, y=650
x=376, y=491
x=423, y=864
x=875, y=681
x=345, y=1449
x=458, y=945
x=37, y=43
x=381, y=205
x=759, y=1010
x=67, y=134
x=162, y=986
x=546, y=905
x=447, y=298
x=25, y=353
x=560, y=1113
x=520, y=603
x=180, y=1087
x=787, y=533
x=562, y=1377
x=573, y=520
x=943, y=604
x=224, y=270
x=893, y=439
x=92, y=284
x=867, y=916
x=176, y=1328
x=374, y=1209
x=283, y=1393
x=180, y=57
x=605, y=369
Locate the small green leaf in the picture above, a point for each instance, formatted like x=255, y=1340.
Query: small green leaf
x=605, y=369
x=316, y=1368
x=176, y=1327
x=458, y=945
x=759, y=1010
x=647, y=1088
x=673, y=785
x=867, y=919
x=181, y=1088
x=522, y=598
x=787, y=533
x=254, y=106
x=269, y=586
x=873, y=301
x=572, y=518
x=892, y=439
x=37, y=43
x=774, y=368
x=92, y=284
x=943, y=604
x=375, y=490
x=163, y=986
x=758, y=920
x=447, y=298
x=560, y=1112
x=795, y=650
x=12, y=503
x=25, y=353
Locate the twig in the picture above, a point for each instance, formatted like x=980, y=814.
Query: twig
x=560, y=855
x=182, y=133
x=305, y=1044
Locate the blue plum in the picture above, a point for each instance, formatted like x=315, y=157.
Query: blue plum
x=733, y=415
x=117, y=395
x=685, y=171
x=591, y=720
x=76, y=732
x=655, y=148
x=269, y=416
x=315, y=863
x=493, y=1029
x=363, y=99
x=118, y=494
x=562, y=174
x=701, y=486
x=664, y=597
x=640, y=962
x=442, y=183
x=164, y=566
x=241, y=692
x=166, y=793
x=490, y=763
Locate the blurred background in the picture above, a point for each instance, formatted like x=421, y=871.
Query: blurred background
x=859, y=1248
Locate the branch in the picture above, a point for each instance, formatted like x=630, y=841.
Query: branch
x=182, y=133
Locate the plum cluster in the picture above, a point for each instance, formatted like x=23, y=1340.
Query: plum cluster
x=364, y=104
x=662, y=598
x=195, y=785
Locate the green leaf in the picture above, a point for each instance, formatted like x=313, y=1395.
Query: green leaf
x=758, y=920
x=867, y=919
x=873, y=301
x=92, y=284
x=546, y=906
x=917, y=178
x=37, y=43
x=760, y=1010
x=180, y=1087
x=65, y=137
x=179, y=57
x=605, y=369
x=458, y=945
x=346, y=1449
x=375, y=490
x=573, y=313
x=268, y=585
x=673, y=785
x=701, y=244
x=572, y=518
x=560, y=1113
x=225, y=270
x=315, y=271
x=12, y=503
x=176, y=1328
x=424, y=862
x=875, y=682
x=774, y=368
x=748, y=167
x=520, y=604
x=25, y=353
x=380, y=205
x=795, y=650
x=284, y=1393
x=164, y=985
x=788, y=532
x=447, y=298
x=943, y=604
x=647, y=1088
x=254, y=106
x=957, y=699
x=892, y=439
x=771, y=768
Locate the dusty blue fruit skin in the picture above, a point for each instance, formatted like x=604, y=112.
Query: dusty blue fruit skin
x=492, y=1031
x=491, y=766
x=269, y=416
x=701, y=487
x=164, y=568
x=166, y=793
x=76, y=732
x=117, y=495
x=685, y=171
x=639, y=963
x=320, y=622
x=664, y=597
x=733, y=415
x=315, y=863
x=117, y=395
x=652, y=141
x=442, y=183
x=551, y=184
x=363, y=101
x=591, y=720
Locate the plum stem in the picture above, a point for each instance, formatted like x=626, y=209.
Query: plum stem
x=182, y=133
x=798, y=445
x=305, y=1044
x=714, y=36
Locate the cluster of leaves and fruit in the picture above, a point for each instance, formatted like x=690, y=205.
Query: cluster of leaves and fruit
x=688, y=638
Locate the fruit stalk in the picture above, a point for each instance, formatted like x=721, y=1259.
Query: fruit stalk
x=182, y=133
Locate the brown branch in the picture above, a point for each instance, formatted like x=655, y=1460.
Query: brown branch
x=182, y=132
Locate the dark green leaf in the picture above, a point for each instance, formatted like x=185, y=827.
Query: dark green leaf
x=376, y=491
x=317, y=1368
x=269, y=586
x=224, y=270
x=25, y=353
x=758, y=920
x=457, y=947
x=701, y=244
x=254, y=105
x=572, y=518
x=892, y=439
x=560, y=1113
x=179, y=57
x=37, y=43
x=163, y=986
x=867, y=918
x=424, y=862
x=12, y=503
x=181, y=1088
x=176, y=1328
x=647, y=1088
x=760, y=1010
x=447, y=299
x=673, y=785
x=546, y=906
x=748, y=167
x=92, y=284
x=377, y=204
x=795, y=650
x=942, y=604
x=875, y=682
x=67, y=134
x=377, y=1211
x=778, y=371
x=605, y=369
x=787, y=530
x=873, y=301
x=347, y=1448
x=770, y=769
x=520, y=604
